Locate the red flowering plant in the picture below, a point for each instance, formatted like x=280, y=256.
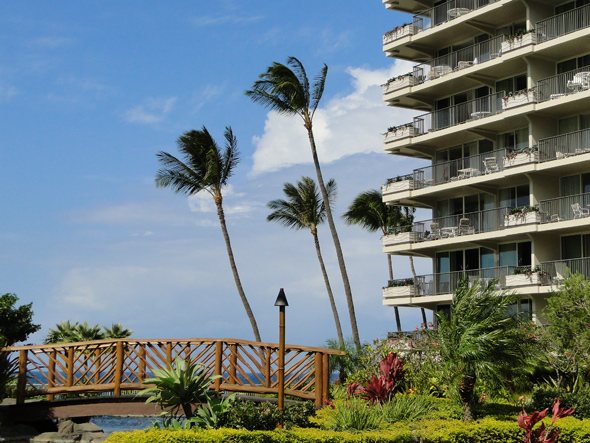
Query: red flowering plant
x=542, y=434
x=381, y=389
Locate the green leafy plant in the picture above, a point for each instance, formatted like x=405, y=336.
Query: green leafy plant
x=254, y=416
x=400, y=283
x=215, y=414
x=356, y=415
x=404, y=407
x=179, y=387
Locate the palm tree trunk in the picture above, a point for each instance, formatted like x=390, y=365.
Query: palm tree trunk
x=339, y=255
x=329, y=289
x=398, y=322
x=219, y=203
x=466, y=386
x=424, y=321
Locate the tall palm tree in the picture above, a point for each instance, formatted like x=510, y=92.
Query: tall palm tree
x=304, y=208
x=63, y=332
x=286, y=89
x=370, y=212
x=408, y=221
x=478, y=339
x=205, y=168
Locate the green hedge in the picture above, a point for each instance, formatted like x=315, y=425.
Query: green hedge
x=433, y=431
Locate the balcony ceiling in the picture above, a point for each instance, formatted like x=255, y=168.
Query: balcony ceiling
x=411, y=6
x=421, y=47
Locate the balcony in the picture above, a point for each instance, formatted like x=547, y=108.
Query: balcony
x=471, y=110
x=563, y=24
x=565, y=208
x=564, y=146
x=505, y=277
x=447, y=64
x=564, y=84
x=438, y=15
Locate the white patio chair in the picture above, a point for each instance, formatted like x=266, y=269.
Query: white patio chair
x=465, y=227
x=580, y=212
x=491, y=165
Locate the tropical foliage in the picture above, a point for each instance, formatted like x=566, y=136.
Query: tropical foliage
x=206, y=167
x=68, y=332
x=287, y=90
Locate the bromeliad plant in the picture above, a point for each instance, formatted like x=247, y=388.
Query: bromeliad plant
x=542, y=434
x=179, y=387
x=379, y=390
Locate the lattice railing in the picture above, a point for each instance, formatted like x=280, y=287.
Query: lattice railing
x=113, y=366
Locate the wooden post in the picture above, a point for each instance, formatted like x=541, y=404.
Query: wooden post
x=142, y=374
x=21, y=385
x=118, y=369
x=70, y=367
x=326, y=378
x=281, y=363
x=169, y=353
x=319, y=384
x=51, y=373
x=233, y=362
x=97, y=360
x=267, y=379
x=218, y=355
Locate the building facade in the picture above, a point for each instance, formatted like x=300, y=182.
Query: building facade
x=503, y=91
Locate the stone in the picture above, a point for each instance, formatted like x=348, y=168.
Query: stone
x=87, y=427
x=56, y=437
x=66, y=427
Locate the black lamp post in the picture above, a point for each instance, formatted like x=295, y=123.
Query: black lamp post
x=281, y=302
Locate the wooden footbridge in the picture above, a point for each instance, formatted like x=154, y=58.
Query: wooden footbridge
x=111, y=372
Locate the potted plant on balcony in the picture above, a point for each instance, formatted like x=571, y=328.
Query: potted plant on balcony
x=399, y=132
x=398, y=184
x=399, y=288
x=519, y=98
x=399, y=32
x=518, y=40
x=522, y=216
x=399, y=82
x=526, y=275
x=521, y=156
x=405, y=235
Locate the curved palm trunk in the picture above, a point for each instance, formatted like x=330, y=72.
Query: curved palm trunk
x=339, y=255
x=220, y=213
x=466, y=387
x=329, y=289
x=424, y=321
x=398, y=322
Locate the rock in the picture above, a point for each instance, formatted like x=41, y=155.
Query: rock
x=66, y=427
x=88, y=427
x=56, y=437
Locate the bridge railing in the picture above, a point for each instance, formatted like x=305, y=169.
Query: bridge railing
x=113, y=366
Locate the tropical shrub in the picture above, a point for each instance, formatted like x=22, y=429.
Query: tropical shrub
x=408, y=408
x=543, y=398
x=179, y=387
x=380, y=389
x=355, y=415
x=542, y=434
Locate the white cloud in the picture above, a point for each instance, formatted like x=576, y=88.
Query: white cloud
x=233, y=202
x=344, y=126
x=153, y=110
x=209, y=20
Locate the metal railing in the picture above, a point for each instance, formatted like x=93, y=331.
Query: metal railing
x=462, y=168
x=558, y=270
x=450, y=10
x=563, y=24
x=463, y=58
x=457, y=114
x=563, y=84
x=565, y=208
x=566, y=145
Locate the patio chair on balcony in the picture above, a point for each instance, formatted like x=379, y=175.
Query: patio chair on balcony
x=491, y=165
x=580, y=212
x=435, y=233
x=580, y=82
x=465, y=227
x=560, y=272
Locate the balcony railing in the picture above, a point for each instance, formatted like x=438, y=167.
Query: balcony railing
x=563, y=84
x=563, y=24
x=447, y=11
x=566, y=145
x=565, y=208
x=457, y=114
x=452, y=171
x=448, y=282
x=558, y=270
x=451, y=226
x=463, y=58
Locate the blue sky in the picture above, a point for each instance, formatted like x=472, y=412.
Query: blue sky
x=91, y=91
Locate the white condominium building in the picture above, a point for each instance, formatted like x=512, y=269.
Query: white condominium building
x=503, y=88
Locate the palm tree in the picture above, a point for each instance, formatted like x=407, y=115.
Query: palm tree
x=205, y=168
x=63, y=332
x=286, y=89
x=85, y=332
x=408, y=221
x=304, y=208
x=370, y=212
x=478, y=339
x=117, y=330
